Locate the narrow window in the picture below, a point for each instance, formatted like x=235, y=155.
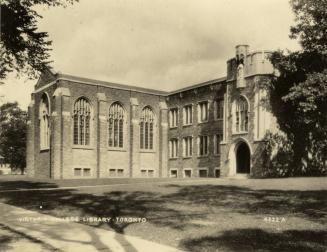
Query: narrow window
x=241, y=115
x=111, y=131
x=203, y=113
x=115, y=133
x=173, y=117
x=82, y=114
x=173, y=148
x=147, y=129
x=82, y=130
x=142, y=135
x=219, y=109
x=121, y=134
x=203, y=145
x=146, y=135
x=187, y=146
x=151, y=136
x=187, y=115
x=217, y=140
x=116, y=125
x=44, y=123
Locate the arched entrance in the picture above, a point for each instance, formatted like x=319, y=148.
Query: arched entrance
x=239, y=157
x=243, y=158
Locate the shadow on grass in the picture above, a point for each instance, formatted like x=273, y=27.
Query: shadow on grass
x=14, y=235
x=24, y=184
x=183, y=204
x=5, y=241
x=70, y=202
x=311, y=205
x=259, y=240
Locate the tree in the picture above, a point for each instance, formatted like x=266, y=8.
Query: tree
x=311, y=25
x=13, y=126
x=298, y=95
x=22, y=47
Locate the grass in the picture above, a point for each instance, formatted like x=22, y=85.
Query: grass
x=12, y=240
x=211, y=215
x=9, y=182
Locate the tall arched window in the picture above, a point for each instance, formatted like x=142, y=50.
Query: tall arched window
x=241, y=115
x=44, y=123
x=146, y=129
x=82, y=117
x=116, y=125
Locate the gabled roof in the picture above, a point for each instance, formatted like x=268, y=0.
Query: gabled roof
x=49, y=76
x=73, y=78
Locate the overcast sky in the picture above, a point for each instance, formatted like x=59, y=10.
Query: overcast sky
x=160, y=44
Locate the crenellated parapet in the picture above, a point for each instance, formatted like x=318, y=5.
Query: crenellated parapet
x=246, y=63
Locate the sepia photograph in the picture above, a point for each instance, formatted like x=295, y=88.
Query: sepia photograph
x=163, y=125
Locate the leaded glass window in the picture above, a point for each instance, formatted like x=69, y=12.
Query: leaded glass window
x=241, y=115
x=116, y=125
x=44, y=123
x=147, y=129
x=82, y=117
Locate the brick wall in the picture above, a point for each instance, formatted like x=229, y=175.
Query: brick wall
x=210, y=128
x=228, y=148
x=63, y=156
x=98, y=156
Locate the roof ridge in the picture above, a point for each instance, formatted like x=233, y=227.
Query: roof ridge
x=75, y=78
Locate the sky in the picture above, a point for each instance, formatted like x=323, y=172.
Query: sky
x=159, y=44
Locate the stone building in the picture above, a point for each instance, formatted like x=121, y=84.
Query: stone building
x=83, y=128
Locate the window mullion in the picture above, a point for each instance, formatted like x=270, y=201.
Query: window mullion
x=78, y=128
x=84, y=130
x=117, y=131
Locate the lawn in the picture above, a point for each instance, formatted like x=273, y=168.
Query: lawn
x=193, y=215
x=12, y=240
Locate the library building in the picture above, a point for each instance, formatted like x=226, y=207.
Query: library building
x=85, y=128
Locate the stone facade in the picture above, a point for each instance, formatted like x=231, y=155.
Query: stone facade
x=62, y=159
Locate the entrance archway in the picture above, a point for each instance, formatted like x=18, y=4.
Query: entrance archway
x=243, y=156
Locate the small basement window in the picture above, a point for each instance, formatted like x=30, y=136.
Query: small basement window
x=173, y=173
x=86, y=172
x=112, y=172
x=78, y=172
x=203, y=173
x=82, y=172
x=144, y=173
x=120, y=172
x=150, y=173
x=187, y=173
